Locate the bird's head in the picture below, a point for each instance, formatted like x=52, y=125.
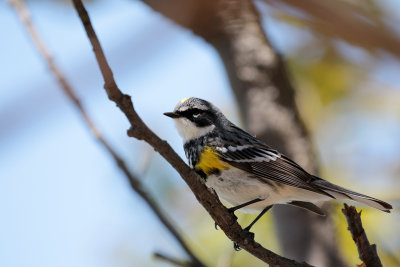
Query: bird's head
x=195, y=117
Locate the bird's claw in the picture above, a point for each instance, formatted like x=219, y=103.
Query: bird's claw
x=247, y=235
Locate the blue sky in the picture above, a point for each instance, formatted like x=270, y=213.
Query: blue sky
x=64, y=202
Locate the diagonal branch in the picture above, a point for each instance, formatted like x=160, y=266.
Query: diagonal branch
x=139, y=130
x=173, y=261
x=366, y=251
x=135, y=183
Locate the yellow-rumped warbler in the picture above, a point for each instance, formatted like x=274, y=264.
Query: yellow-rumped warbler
x=244, y=171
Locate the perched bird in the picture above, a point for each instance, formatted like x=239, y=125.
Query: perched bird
x=246, y=172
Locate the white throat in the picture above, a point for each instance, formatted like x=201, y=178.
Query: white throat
x=188, y=130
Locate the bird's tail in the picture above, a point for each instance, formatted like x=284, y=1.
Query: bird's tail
x=340, y=192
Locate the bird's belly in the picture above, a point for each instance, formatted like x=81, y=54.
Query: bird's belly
x=237, y=187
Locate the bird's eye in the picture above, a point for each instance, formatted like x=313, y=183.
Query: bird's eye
x=195, y=115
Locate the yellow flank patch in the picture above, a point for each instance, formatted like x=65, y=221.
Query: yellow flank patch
x=210, y=161
x=183, y=100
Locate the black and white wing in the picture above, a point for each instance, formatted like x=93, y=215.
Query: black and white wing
x=269, y=165
x=247, y=153
x=265, y=163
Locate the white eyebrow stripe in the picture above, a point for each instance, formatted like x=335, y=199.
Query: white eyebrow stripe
x=184, y=108
x=201, y=107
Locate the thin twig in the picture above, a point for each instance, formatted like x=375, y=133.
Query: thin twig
x=141, y=131
x=135, y=183
x=366, y=251
x=171, y=260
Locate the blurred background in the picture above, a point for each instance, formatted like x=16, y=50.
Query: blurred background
x=64, y=202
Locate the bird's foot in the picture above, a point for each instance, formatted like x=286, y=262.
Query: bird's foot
x=247, y=235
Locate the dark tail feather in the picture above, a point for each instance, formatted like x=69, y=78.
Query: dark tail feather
x=340, y=192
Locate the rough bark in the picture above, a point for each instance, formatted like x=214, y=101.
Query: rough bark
x=267, y=101
x=366, y=251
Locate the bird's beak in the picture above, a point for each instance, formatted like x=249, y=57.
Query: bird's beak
x=171, y=115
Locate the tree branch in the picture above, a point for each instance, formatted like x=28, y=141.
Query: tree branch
x=366, y=251
x=171, y=260
x=134, y=181
x=139, y=130
x=342, y=19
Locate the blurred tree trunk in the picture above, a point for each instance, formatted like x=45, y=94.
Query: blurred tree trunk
x=267, y=101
